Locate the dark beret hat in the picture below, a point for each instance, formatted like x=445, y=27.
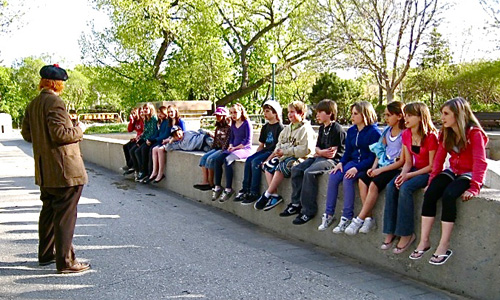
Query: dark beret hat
x=53, y=72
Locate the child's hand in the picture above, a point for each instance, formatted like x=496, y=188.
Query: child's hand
x=164, y=141
x=466, y=196
x=337, y=167
x=401, y=179
x=374, y=173
x=351, y=173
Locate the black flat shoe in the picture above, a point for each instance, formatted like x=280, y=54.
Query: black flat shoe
x=157, y=181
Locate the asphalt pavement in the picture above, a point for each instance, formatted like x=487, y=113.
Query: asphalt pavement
x=147, y=243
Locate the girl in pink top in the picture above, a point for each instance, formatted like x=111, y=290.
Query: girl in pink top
x=463, y=138
x=419, y=146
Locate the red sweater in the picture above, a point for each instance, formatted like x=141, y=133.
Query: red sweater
x=472, y=159
x=137, y=125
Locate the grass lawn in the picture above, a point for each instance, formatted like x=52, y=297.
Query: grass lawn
x=106, y=128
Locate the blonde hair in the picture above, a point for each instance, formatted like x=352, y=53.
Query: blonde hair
x=465, y=119
x=299, y=106
x=366, y=110
x=51, y=84
x=241, y=108
x=421, y=110
x=152, y=110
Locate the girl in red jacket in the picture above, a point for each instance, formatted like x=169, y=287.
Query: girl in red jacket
x=463, y=138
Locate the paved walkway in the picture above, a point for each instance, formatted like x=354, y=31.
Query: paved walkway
x=146, y=243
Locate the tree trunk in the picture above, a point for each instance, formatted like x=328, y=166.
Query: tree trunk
x=380, y=95
x=242, y=91
x=432, y=101
x=390, y=95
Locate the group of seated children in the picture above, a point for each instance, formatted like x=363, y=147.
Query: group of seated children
x=407, y=155
x=404, y=157
x=153, y=132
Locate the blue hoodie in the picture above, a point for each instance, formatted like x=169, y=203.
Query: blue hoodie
x=356, y=147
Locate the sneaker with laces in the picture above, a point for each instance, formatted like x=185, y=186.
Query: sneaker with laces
x=273, y=202
x=140, y=176
x=341, y=227
x=290, y=210
x=354, y=227
x=250, y=198
x=261, y=202
x=368, y=225
x=241, y=196
x=326, y=221
x=216, y=194
x=302, y=219
x=226, y=196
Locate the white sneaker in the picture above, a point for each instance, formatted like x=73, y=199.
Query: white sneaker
x=368, y=225
x=344, y=222
x=354, y=227
x=326, y=221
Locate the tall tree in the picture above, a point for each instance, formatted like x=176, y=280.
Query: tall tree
x=492, y=7
x=383, y=36
x=255, y=30
x=434, y=62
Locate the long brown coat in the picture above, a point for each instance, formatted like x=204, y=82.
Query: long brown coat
x=46, y=124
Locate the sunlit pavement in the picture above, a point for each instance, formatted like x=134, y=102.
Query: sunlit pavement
x=147, y=243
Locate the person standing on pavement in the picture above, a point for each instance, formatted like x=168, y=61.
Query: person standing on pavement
x=59, y=170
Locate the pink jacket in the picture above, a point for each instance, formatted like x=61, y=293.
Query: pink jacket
x=472, y=159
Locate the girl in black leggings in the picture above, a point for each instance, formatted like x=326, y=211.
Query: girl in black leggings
x=463, y=138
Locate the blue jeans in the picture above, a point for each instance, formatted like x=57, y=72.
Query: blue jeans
x=333, y=190
x=208, y=159
x=399, y=208
x=253, y=172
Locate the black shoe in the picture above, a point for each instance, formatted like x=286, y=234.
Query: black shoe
x=203, y=187
x=129, y=171
x=158, y=181
x=273, y=202
x=147, y=180
x=140, y=177
x=291, y=210
x=302, y=219
x=261, y=202
x=242, y=195
x=250, y=198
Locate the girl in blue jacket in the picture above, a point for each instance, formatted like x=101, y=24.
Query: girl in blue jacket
x=356, y=160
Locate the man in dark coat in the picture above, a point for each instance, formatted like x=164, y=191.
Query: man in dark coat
x=59, y=170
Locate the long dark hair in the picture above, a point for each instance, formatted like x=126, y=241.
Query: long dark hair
x=175, y=120
x=396, y=108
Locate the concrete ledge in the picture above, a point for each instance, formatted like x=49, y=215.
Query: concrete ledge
x=472, y=271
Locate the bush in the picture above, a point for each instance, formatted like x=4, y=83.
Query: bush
x=108, y=128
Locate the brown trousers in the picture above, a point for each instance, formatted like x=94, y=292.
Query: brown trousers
x=57, y=225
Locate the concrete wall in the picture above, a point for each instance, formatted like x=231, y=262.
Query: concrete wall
x=473, y=270
x=5, y=123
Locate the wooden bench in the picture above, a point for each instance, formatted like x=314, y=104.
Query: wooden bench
x=489, y=120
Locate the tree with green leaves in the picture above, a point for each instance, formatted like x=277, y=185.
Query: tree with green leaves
x=433, y=66
x=343, y=91
x=257, y=30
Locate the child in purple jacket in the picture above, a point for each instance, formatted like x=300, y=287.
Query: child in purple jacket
x=240, y=147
